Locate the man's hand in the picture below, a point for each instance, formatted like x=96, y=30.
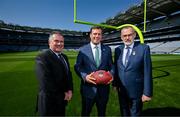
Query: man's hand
x=145, y=98
x=90, y=78
x=68, y=95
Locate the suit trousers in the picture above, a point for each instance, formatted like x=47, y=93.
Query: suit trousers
x=51, y=104
x=129, y=106
x=87, y=105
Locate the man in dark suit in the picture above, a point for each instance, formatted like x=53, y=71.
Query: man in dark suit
x=133, y=73
x=87, y=62
x=55, y=79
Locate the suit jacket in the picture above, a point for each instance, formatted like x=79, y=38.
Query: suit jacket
x=85, y=64
x=136, y=78
x=53, y=78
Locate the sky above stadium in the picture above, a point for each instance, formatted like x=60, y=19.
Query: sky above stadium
x=58, y=14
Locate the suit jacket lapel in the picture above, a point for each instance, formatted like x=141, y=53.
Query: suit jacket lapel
x=132, y=55
x=121, y=56
x=90, y=54
x=55, y=57
x=103, y=52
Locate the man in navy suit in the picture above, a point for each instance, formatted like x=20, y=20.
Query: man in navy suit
x=133, y=74
x=86, y=64
x=55, y=79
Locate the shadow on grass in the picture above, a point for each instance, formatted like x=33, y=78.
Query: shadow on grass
x=167, y=111
x=164, y=75
x=165, y=72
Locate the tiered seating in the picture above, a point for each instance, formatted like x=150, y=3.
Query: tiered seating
x=167, y=47
x=153, y=45
x=177, y=51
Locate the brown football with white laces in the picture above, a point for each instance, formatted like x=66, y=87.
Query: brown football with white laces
x=102, y=77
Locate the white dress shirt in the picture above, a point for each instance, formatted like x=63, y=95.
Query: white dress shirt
x=125, y=52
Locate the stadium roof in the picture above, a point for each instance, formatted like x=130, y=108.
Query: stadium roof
x=155, y=9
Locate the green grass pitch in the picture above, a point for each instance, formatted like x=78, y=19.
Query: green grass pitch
x=19, y=86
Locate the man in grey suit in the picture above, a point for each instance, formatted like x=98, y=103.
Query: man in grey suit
x=55, y=79
x=133, y=73
x=88, y=62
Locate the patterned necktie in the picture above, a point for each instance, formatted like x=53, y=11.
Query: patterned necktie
x=97, y=56
x=127, y=56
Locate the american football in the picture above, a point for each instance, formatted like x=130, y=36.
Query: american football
x=102, y=77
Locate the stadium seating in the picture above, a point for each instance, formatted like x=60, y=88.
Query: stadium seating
x=166, y=47
x=162, y=33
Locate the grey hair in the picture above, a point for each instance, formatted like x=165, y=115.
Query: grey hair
x=126, y=27
x=53, y=33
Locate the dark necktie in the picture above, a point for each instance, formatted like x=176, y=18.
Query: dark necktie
x=63, y=61
x=97, y=56
x=127, y=56
x=65, y=65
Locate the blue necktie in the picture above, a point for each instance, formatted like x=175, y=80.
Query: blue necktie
x=97, y=56
x=127, y=56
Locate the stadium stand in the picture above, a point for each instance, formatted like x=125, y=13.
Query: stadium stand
x=162, y=32
x=163, y=26
x=177, y=51
x=166, y=47
x=19, y=38
x=154, y=45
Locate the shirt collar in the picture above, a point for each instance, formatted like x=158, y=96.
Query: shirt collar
x=56, y=52
x=93, y=45
x=131, y=46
